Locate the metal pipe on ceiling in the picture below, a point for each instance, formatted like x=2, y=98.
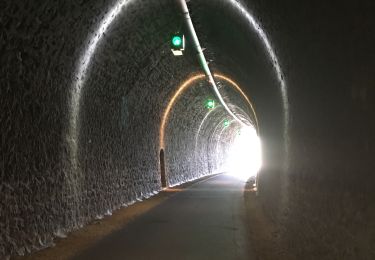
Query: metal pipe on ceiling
x=202, y=58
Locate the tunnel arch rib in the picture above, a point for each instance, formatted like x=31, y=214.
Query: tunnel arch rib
x=187, y=84
x=97, y=35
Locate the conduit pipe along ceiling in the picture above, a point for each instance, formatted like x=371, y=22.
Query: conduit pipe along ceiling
x=202, y=58
x=83, y=67
x=190, y=83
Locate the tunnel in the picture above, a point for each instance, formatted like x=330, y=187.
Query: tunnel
x=96, y=113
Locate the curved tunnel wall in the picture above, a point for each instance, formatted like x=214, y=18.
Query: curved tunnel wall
x=192, y=131
x=53, y=181
x=328, y=55
x=45, y=190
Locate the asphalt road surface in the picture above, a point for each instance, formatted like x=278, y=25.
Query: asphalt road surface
x=204, y=221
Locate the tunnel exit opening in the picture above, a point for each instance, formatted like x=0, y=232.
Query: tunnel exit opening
x=162, y=169
x=244, y=158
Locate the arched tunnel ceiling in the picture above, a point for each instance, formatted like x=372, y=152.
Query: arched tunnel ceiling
x=98, y=77
x=116, y=42
x=230, y=91
x=85, y=84
x=192, y=131
x=138, y=54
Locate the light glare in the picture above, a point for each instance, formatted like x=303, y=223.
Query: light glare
x=245, y=155
x=176, y=41
x=210, y=104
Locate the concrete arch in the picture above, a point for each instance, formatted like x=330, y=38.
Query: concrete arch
x=189, y=83
x=95, y=38
x=84, y=85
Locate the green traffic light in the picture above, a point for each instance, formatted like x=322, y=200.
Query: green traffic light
x=210, y=103
x=176, y=41
x=226, y=122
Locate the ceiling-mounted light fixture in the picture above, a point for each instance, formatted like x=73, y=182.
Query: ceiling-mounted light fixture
x=210, y=103
x=177, y=44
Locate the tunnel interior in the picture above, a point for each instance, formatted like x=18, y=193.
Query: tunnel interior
x=92, y=118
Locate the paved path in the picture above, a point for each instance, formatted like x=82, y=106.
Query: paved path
x=205, y=221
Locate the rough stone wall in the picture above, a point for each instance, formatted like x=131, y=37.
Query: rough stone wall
x=195, y=143
x=125, y=92
x=38, y=46
x=327, y=55
x=122, y=107
x=234, y=47
x=131, y=76
x=127, y=85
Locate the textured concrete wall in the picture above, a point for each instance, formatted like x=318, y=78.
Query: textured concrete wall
x=42, y=194
x=322, y=204
x=236, y=49
x=196, y=138
x=45, y=192
x=39, y=46
x=327, y=54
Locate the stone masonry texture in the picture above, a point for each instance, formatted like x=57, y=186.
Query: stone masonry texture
x=317, y=179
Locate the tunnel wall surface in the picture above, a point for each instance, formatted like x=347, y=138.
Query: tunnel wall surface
x=327, y=55
x=225, y=30
x=316, y=182
x=323, y=206
x=39, y=46
x=55, y=179
x=195, y=143
x=45, y=191
x=181, y=138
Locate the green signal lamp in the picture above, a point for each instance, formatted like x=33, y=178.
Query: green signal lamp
x=226, y=123
x=177, y=44
x=177, y=41
x=210, y=104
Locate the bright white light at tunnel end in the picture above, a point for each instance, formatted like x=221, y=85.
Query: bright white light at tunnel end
x=244, y=158
x=91, y=48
